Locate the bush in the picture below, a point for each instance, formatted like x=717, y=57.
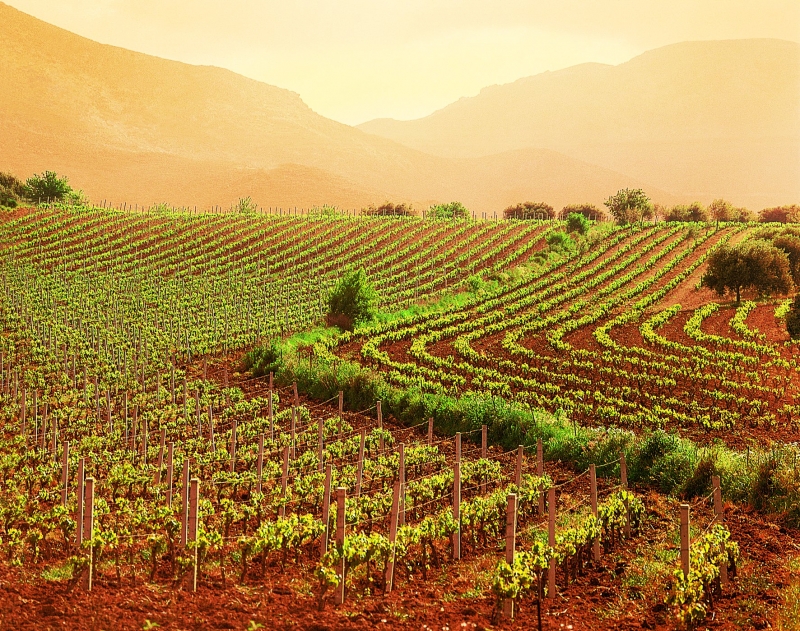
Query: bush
x=756, y=264
x=578, y=223
x=590, y=211
x=246, y=206
x=352, y=301
x=780, y=214
x=629, y=206
x=793, y=319
x=693, y=212
x=47, y=187
x=530, y=210
x=453, y=210
x=389, y=209
x=263, y=360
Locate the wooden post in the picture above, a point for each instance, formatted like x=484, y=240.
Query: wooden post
x=341, y=499
x=718, y=517
x=185, y=503
x=260, y=463
x=457, y=499
x=269, y=412
x=170, y=465
x=320, y=445
x=326, y=509
x=194, y=500
x=430, y=432
x=540, y=471
x=381, y=445
x=144, y=439
x=401, y=476
x=518, y=473
x=211, y=427
x=393, y=536
x=296, y=396
x=685, y=566
x=341, y=411
x=623, y=478
x=593, y=483
x=360, y=470
x=511, y=540
x=284, y=479
x=551, y=541
x=64, y=472
x=294, y=425
x=80, y=491
x=197, y=412
x=160, y=461
x=484, y=447
x=88, y=529
x=233, y=446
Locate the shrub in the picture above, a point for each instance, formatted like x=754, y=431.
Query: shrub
x=793, y=319
x=780, y=214
x=590, y=211
x=12, y=190
x=578, y=223
x=352, y=301
x=263, y=360
x=693, y=212
x=388, y=209
x=47, y=186
x=559, y=241
x=453, y=210
x=246, y=206
x=530, y=210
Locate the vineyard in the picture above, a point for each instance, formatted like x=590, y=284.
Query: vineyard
x=149, y=480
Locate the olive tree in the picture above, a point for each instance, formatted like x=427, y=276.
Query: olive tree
x=629, y=206
x=753, y=264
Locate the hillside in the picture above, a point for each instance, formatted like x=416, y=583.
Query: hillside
x=130, y=127
x=701, y=119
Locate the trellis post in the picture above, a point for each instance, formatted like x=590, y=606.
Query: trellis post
x=511, y=539
x=593, y=483
x=326, y=509
x=341, y=499
x=260, y=462
x=64, y=472
x=194, y=500
x=551, y=541
x=718, y=517
x=685, y=564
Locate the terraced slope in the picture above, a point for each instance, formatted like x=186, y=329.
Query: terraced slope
x=600, y=338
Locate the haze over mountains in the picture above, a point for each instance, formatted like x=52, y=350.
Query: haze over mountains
x=125, y=126
x=698, y=119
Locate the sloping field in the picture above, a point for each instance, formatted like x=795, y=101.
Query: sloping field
x=600, y=338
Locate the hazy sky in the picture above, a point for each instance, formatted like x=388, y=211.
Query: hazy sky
x=354, y=60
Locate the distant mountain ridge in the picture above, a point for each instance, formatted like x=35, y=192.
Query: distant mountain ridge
x=125, y=126
x=697, y=119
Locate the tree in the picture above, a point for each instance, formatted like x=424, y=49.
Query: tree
x=388, y=209
x=352, y=301
x=578, y=223
x=791, y=245
x=453, y=210
x=12, y=190
x=629, y=206
x=246, y=206
x=692, y=212
x=756, y=264
x=530, y=210
x=590, y=211
x=793, y=319
x=47, y=186
x=780, y=214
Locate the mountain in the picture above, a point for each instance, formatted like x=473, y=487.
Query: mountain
x=125, y=126
x=698, y=119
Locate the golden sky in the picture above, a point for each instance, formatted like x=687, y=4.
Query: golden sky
x=354, y=60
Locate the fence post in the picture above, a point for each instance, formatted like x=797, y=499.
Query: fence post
x=360, y=470
x=194, y=500
x=260, y=462
x=382, y=444
x=162, y=444
x=401, y=475
x=326, y=509
x=269, y=411
x=483, y=455
x=540, y=471
x=81, y=490
x=88, y=529
x=170, y=465
x=593, y=482
x=685, y=565
x=320, y=429
x=457, y=499
x=185, y=503
x=551, y=541
x=623, y=479
x=341, y=411
x=718, y=517
x=64, y=473
x=518, y=473
x=511, y=540
x=430, y=431
x=284, y=479
x=341, y=498
x=233, y=446
x=392, y=537
x=293, y=431
x=296, y=395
